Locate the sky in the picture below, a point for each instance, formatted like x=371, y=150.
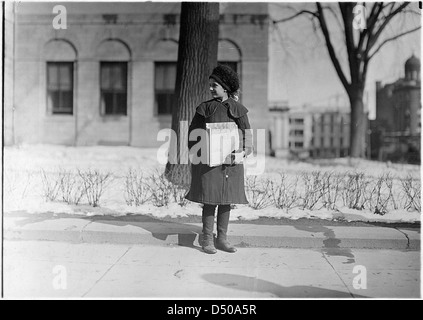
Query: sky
x=301, y=72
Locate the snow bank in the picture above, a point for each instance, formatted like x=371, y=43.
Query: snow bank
x=23, y=187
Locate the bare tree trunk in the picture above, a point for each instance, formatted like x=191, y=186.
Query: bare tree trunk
x=358, y=123
x=197, y=56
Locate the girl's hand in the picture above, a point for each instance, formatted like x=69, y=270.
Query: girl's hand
x=238, y=157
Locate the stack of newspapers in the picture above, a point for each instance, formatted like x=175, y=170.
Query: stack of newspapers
x=223, y=141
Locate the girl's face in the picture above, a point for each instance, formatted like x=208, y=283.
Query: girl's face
x=217, y=90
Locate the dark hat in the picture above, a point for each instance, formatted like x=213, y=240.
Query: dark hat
x=226, y=77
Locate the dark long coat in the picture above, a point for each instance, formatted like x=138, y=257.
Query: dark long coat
x=222, y=184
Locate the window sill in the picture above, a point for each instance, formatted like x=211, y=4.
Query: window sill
x=59, y=115
x=114, y=116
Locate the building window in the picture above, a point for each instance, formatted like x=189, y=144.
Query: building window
x=298, y=133
x=164, y=86
x=60, y=87
x=299, y=144
x=114, y=88
x=299, y=121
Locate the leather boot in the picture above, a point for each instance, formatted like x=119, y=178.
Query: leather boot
x=208, y=223
x=222, y=243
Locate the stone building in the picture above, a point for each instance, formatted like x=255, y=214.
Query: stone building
x=330, y=133
x=396, y=131
x=108, y=76
x=300, y=137
x=309, y=131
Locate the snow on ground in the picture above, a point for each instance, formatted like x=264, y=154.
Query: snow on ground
x=23, y=186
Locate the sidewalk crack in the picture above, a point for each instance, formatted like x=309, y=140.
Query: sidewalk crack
x=107, y=271
x=340, y=278
x=81, y=237
x=406, y=236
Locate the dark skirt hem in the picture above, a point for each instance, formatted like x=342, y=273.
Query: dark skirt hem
x=215, y=203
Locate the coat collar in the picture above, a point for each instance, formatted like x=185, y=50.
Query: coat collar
x=237, y=110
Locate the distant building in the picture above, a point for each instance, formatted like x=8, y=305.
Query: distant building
x=396, y=131
x=330, y=133
x=300, y=132
x=109, y=76
x=279, y=129
x=309, y=132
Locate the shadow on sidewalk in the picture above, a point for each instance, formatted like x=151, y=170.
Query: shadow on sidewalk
x=331, y=243
x=251, y=284
x=187, y=233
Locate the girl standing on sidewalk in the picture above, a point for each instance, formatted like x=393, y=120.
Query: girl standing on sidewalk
x=223, y=185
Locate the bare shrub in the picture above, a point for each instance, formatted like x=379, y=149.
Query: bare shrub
x=378, y=202
x=179, y=193
x=51, y=186
x=313, y=189
x=284, y=194
x=94, y=183
x=331, y=187
x=258, y=192
x=412, y=193
x=161, y=189
x=355, y=191
x=394, y=197
x=137, y=190
x=71, y=186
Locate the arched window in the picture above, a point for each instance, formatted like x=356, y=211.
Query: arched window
x=114, y=56
x=165, y=57
x=60, y=56
x=229, y=54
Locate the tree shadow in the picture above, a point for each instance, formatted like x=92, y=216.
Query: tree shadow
x=187, y=233
x=252, y=284
x=331, y=243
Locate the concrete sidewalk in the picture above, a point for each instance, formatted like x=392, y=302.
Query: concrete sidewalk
x=138, y=229
x=40, y=269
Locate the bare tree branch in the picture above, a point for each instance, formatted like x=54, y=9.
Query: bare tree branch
x=392, y=39
x=335, y=15
x=295, y=16
x=375, y=36
x=417, y=13
x=392, y=5
x=331, y=50
x=372, y=19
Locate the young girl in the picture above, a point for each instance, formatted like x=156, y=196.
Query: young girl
x=220, y=186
